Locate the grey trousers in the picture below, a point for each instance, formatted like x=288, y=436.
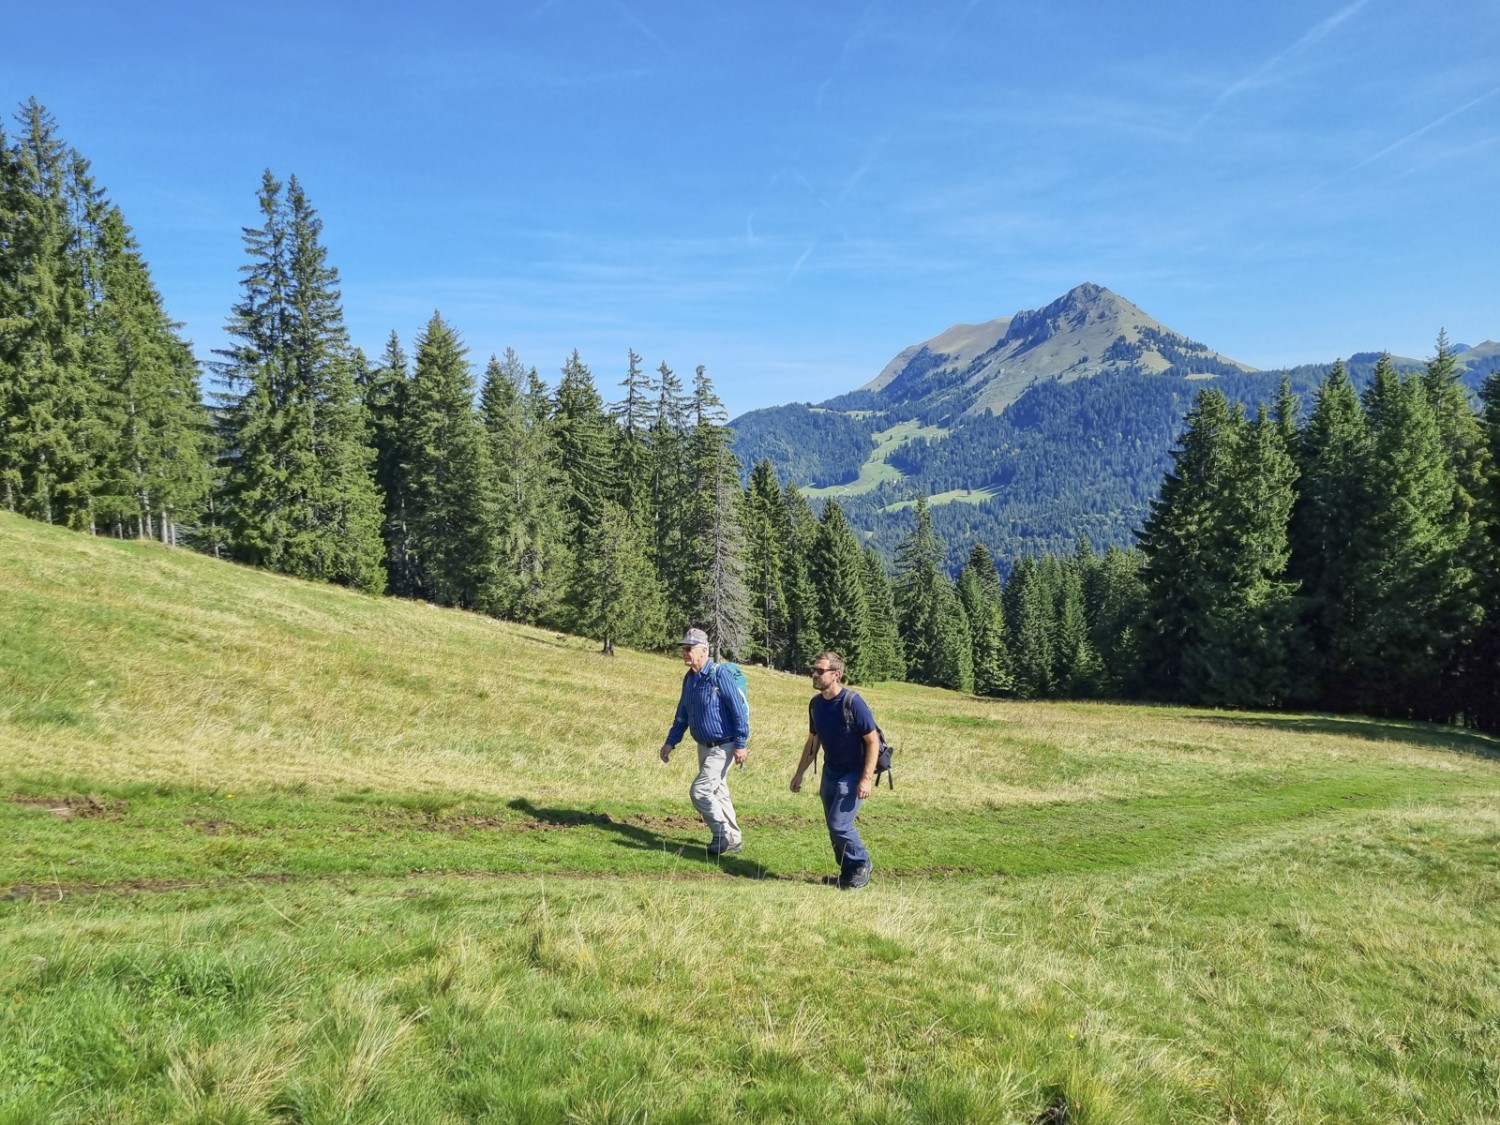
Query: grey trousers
x=710, y=792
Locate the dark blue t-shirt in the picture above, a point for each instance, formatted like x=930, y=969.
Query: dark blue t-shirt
x=843, y=746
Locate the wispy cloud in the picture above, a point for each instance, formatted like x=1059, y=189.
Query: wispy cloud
x=640, y=25
x=1404, y=141
x=797, y=265
x=1431, y=125
x=1315, y=35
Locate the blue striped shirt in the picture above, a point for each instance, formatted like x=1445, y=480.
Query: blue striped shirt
x=712, y=707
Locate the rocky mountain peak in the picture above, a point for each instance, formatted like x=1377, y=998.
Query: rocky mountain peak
x=1088, y=331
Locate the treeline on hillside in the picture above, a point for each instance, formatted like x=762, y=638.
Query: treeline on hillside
x=1350, y=561
x=101, y=426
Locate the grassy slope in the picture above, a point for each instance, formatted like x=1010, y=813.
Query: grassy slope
x=278, y=852
x=877, y=468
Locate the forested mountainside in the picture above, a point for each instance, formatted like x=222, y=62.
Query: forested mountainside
x=1075, y=454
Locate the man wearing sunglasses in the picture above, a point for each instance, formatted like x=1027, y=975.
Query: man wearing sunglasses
x=846, y=730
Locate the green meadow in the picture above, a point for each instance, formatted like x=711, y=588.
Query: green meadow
x=276, y=852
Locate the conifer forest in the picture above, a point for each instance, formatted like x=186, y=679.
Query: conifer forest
x=1340, y=554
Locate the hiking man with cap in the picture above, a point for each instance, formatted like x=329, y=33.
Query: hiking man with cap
x=846, y=730
x=712, y=707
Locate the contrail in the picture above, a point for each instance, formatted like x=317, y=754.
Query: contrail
x=642, y=28
x=1424, y=129
x=1394, y=145
x=1320, y=31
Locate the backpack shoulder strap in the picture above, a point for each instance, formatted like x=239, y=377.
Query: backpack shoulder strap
x=848, y=707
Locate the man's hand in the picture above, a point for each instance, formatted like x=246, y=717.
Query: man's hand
x=740, y=755
x=866, y=783
x=797, y=782
x=666, y=752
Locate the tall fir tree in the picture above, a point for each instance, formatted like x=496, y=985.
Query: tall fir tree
x=1114, y=600
x=1246, y=659
x=622, y=600
x=1410, y=558
x=720, y=600
x=535, y=563
x=385, y=390
x=1468, y=461
x=980, y=591
x=1334, y=460
x=1483, y=687
x=156, y=476
x=1182, y=544
x=838, y=575
x=887, y=655
x=633, y=416
x=1029, y=629
x=764, y=547
x=581, y=438
x=672, y=491
x=301, y=497
x=449, y=477
x=934, y=629
x=799, y=533
x=45, y=457
x=1075, y=669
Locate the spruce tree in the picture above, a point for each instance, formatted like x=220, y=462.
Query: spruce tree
x=1334, y=460
x=1114, y=600
x=1075, y=669
x=535, y=564
x=1029, y=629
x=1410, y=559
x=1468, y=461
x=1247, y=631
x=1183, y=542
x=581, y=438
x=934, y=630
x=764, y=547
x=633, y=416
x=719, y=598
x=1483, y=686
x=799, y=533
x=301, y=497
x=622, y=601
x=45, y=459
x=155, y=470
x=980, y=591
x=887, y=657
x=672, y=492
x=385, y=391
x=449, y=478
x=838, y=574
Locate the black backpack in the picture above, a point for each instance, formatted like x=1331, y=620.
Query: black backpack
x=882, y=760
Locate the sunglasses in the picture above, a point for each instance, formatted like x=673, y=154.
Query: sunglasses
x=822, y=671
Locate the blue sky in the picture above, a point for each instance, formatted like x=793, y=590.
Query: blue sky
x=790, y=193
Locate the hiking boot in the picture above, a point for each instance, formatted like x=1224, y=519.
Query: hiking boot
x=725, y=847
x=856, y=877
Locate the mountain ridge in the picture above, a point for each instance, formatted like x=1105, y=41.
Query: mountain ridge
x=1026, y=432
x=1088, y=331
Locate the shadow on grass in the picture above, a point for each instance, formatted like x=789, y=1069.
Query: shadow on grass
x=1430, y=736
x=641, y=838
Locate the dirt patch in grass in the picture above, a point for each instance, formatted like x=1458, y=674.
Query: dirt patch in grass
x=73, y=808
